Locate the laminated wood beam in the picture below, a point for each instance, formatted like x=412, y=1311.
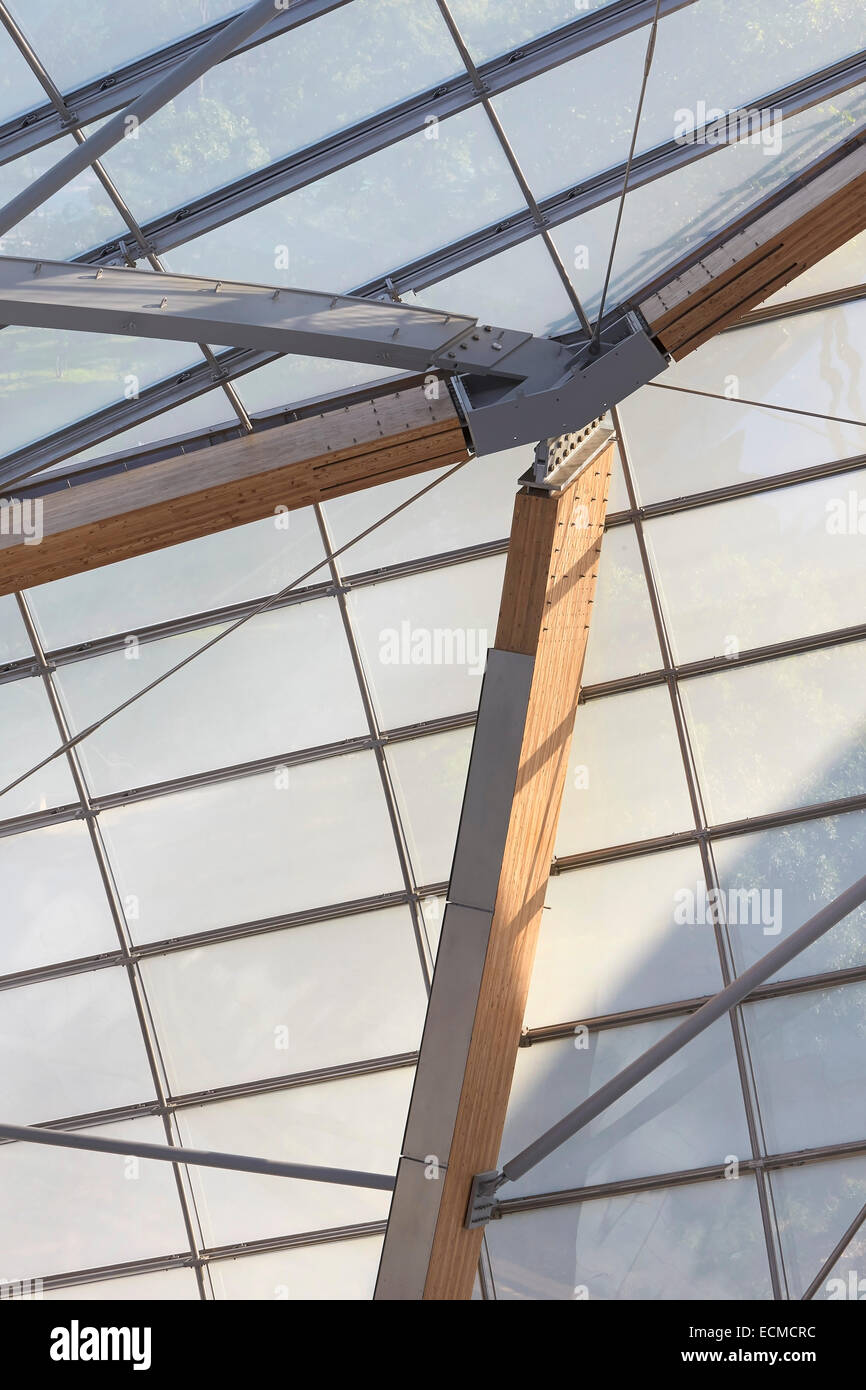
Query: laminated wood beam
x=498, y=884
x=158, y=504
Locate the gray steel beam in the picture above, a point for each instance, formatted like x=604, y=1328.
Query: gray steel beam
x=457, y=978
x=140, y=109
x=200, y=1158
x=94, y=100
x=690, y=1028
x=186, y=308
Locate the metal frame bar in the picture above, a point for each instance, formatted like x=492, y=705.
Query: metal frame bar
x=203, y=1158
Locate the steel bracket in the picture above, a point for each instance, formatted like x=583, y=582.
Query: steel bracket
x=482, y=1199
x=559, y=462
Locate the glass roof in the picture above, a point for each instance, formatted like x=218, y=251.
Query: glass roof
x=259, y=849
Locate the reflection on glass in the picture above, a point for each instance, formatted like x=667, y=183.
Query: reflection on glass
x=815, y=1203
x=429, y=776
x=702, y=1241
x=336, y=1271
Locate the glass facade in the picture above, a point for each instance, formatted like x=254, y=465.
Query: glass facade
x=221, y=908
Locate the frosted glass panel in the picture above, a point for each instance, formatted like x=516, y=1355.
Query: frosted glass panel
x=75, y=219
x=425, y=639
x=613, y=938
x=780, y=734
x=338, y=1270
x=815, y=1204
x=625, y=775
x=282, y=96
x=24, y=707
x=681, y=444
x=622, y=634
x=14, y=643
x=256, y=847
x=288, y=1002
x=247, y=562
x=686, y=1114
x=762, y=569
x=281, y=682
x=356, y=1123
x=71, y=1045
x=777, y=880
x=474, y=506
x=54, y=903
x=67, y=1209
x=519, y=288
x=844, y=267
x=809, y=1061
x=367, y=219
x=165, y=1285
x=703, y=1241
x=490, y=27
x=429, y=776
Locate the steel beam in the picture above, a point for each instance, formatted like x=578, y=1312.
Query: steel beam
x=140, y=109
x=197, y=1158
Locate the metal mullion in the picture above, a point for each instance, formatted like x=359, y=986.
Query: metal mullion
x=139, y=996
x=624, y=1187
x=400, y=842
x=748, y=1085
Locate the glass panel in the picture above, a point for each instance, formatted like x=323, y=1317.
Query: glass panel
x=370, y=217
x=429, y=776
x=625, y=774
x=845, y=1279
x=432, y=912
x=612, y=939
x=490, y=27
x=72, y=1045
x=293, y=379
x=564, y=124
x=55, y=907
x=703, y=1241
x=665, y=218
x=519, y=288
x=50, y=379
x=282, y=682
x=843, y=267
x=807, y=1050
x=473, y=507
x=67, y=1209
x=14, y=642
x=682, y=444
x=761, y=569
x=357, y=1123
x=339, y=1270
x=815, y=1203
x=796, y=871
x=19, y=89
x=686, y=1114
x=246, y=562
x=425, y=638
x=320, y=835
x=24, y=707
x=79, y=216
x=88, y=40
x=622, y=635
x=281, y=97
x=288, y=1002
x=166, y=1285
x=780, y=734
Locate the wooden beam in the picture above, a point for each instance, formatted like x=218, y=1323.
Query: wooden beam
x=498, y=885
x=159, y=504
x=768, y=248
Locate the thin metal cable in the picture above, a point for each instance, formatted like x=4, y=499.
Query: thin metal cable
x=650, y=50
x=221, y=636
x=761, y=405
